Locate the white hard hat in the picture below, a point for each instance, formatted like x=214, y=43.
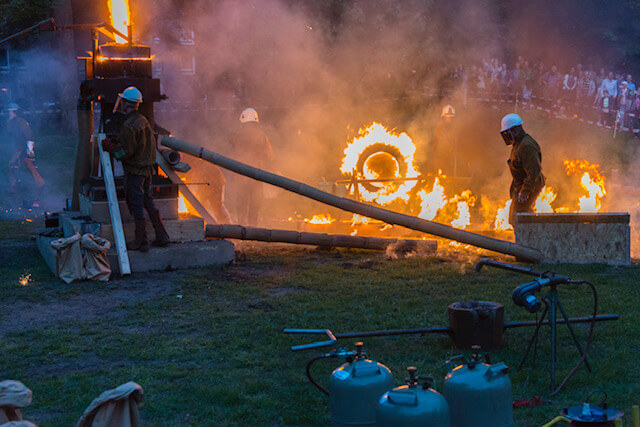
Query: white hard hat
x=448, y=111
x=131, y=94
x=510, y=120
x=13, y=107
x=249, y=115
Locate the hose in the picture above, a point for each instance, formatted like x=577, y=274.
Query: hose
x=308, y=371
x=589, y=338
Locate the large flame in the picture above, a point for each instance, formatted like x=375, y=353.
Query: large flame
x=502, y=219
x=544, y=200
x=432, y=202
x=463, y=215
x=388, y=192
x=120, y=17
x=591, y=180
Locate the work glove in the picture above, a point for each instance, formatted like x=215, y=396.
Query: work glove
x=523, y=197
x=30, y=146
x=109, y=144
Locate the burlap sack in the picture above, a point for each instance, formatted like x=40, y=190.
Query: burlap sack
x=68, y=258
x=94, y=257
x=13, y=395
x=117, y=407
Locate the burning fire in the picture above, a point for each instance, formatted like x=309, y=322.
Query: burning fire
x=376, y=153
x=120, y=17
x=432, y=202
x=463, y=215
x=320, y=219
x=502, y=219
x=182, y=204
x=591, y=180
x=24, y=279
x=544, y=200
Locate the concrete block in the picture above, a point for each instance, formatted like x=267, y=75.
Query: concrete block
x=99, y=210
x=178, y=256
x=188, y=228
x=577, y=238
x=74, y=222
x=49, y=254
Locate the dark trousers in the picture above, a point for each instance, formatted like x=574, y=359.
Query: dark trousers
x=138, y=194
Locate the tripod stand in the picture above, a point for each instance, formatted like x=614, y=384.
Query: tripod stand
x=552, y=304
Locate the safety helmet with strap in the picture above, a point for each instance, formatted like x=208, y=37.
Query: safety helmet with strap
x=131, y=94
x=448, y=111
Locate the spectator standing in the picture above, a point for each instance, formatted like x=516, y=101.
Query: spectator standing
x=569, y=86
x=605, y=110
x=630, y=84
x=609, y=85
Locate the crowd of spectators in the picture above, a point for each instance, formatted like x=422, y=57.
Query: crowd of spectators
x=578, y=90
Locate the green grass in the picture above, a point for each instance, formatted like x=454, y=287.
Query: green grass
x=217, y=355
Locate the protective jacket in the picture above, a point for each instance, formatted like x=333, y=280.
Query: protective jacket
x=136, y=146
x=19, y=133
x=251, y=146
x=525, y=165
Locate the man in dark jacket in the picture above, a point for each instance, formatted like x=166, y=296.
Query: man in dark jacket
x=136, y=148
x=525, y=165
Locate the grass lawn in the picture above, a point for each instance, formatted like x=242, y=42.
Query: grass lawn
x=208, y=348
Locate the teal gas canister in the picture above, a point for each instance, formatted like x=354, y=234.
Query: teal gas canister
x=479, y=394
x=415, y=404
x=355, y=388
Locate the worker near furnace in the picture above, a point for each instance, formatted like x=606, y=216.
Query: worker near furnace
x=136, y=148
x=525, y=165
x=250, y=145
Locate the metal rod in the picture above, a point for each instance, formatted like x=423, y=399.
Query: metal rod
x=28, y=30
x=390, y=217
x=505, y=266
x=448, y=330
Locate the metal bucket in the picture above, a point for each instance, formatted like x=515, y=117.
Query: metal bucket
x=477, y=323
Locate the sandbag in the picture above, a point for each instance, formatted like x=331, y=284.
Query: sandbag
x=68, y=258
x=94, y=257
x=116, y=407
x=13, y=395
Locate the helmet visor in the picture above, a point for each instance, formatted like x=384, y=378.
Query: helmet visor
x=507, y=136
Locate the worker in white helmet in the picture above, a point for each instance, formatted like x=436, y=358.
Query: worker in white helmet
x=251, y=146
x=525, y=165
x=23, y=154
x=444, y=154
x=136, y=147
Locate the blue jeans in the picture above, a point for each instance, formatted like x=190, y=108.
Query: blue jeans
x=138, y=194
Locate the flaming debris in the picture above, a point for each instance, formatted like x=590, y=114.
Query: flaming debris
x=24, y=279
x=320, y=219
x=377, y=153
x=120, y=17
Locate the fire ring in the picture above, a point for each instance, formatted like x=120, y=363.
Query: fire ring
x=380, y=147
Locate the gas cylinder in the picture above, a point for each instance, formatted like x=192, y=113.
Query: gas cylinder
x=413, y=405
x=355, y=388
x=478, y=394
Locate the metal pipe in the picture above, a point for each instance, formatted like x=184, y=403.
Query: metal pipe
x=349, y=205
x=506, y=266
x=46, y=25
x=226, y=231
x=171, y=156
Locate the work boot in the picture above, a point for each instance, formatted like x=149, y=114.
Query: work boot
x=162, y=238
x=140, y=243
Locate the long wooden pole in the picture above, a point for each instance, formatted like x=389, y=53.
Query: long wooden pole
x=349, y=205
x=231, y=231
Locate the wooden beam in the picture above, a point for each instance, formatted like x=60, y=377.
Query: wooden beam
x=114, y=209
x=191, y=198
